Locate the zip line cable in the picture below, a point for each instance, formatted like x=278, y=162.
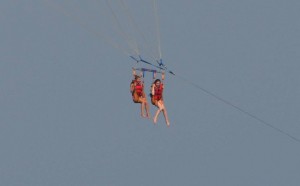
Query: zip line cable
x=239, y=109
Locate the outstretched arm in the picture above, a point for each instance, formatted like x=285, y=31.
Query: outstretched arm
x=133, y=72
x=131, y=87
x=152, y=89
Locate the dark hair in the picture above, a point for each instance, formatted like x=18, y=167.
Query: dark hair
x=157, y=80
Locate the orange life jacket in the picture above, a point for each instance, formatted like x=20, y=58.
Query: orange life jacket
x=158, y=91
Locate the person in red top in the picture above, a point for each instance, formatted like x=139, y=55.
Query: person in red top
x=139, y=96
x=157, y=99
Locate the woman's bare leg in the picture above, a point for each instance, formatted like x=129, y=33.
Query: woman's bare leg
x=142, y=102
x=160, y=108
x=147, y=109
x=142, y=109
x=166, y=117
x=156, y=115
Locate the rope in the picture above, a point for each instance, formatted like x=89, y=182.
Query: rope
x=155, y=7
x=137, y=29
x=240, y=109
x=83, y=25
x=131, y=42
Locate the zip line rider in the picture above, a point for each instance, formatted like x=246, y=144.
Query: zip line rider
x=157, y=99
x=138, y=94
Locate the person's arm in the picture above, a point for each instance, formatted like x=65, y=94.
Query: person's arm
x=152, y=89
x=131, y=87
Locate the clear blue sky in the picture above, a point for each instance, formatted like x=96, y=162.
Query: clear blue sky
x=67, y=118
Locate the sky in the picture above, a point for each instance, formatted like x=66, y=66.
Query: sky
x=66, y=114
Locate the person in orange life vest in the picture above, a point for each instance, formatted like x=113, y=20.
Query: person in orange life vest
x=157, y=99
x=138, y=95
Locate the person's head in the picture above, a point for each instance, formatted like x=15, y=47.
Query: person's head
x=157, y=82
x=137, y=78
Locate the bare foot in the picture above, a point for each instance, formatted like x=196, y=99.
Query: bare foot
x=154, y=120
